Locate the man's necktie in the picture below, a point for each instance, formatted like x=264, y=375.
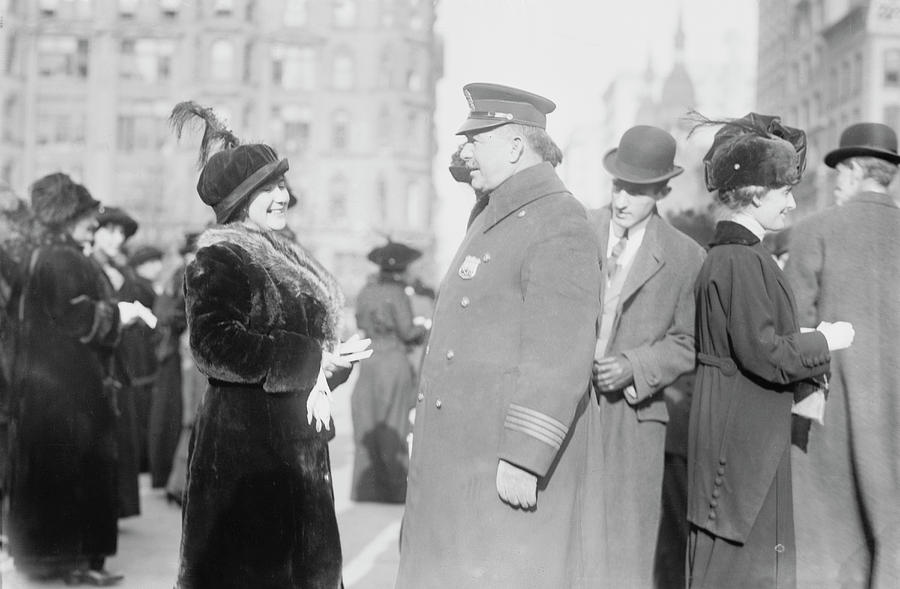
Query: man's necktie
x=613, y=260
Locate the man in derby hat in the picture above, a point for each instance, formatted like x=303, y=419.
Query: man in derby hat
x=844, y=264
x=498, y=460
x=645, y=342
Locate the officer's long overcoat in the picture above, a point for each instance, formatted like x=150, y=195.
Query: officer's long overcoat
x=505, y=376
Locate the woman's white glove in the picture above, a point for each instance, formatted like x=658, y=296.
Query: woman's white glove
x=839, y=334
x=318, y=404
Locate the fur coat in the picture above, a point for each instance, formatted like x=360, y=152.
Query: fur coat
x=259, y=507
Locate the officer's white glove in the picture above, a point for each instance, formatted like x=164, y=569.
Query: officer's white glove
x=318, y=404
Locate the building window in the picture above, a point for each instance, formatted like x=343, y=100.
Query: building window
x=412, y=131
x=143, y=127
x=415, y=15
x=297, y=125
x=385, y=68
x=170, y=8
x=413, y=81
x=221, y=65
x=294, y=67
x=128, y=8
x=60, y=129
x=415, y=201
x=223, y=7
x=12, y=46
x=387, y=11
x=62, y=57
x=11, y=118
x=340, y=130
x=296, y=13
x=337, y=198
x=343, y=71
x=892, y=67
x=382, y=200
x=384, y=127
x=248, y=62
x=48, y=7
x=344, y=13
x=146, y=60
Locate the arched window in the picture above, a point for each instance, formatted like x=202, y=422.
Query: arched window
x=343, y=70
x=338, y=190
x=296, y=13
x=294, y=67
x=340, y=130
x=221, y=62
x=344, y=13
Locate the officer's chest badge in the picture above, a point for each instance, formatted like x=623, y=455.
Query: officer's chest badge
x=469, y=267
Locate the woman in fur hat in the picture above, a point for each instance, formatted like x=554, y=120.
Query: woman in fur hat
x=754, y=364
x=63, y=493
x=263, y=317
x=386, y=389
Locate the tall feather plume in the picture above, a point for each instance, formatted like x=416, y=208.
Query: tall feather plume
x=702, y=121
x=215, y=133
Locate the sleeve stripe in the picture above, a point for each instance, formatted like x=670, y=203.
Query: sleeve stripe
x=531, y=426
x=538, y=418
x=538, y=435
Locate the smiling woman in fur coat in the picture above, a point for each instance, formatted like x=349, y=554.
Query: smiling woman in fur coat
x=262, y=316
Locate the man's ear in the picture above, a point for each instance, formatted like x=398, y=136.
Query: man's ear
x=516, y=149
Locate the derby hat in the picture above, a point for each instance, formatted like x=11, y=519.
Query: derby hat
x=394, y=256
x=116, y=216
x=645, y=155
x=493, y=105
x=865, y=139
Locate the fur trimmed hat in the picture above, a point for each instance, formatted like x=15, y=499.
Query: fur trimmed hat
x=231, y=175
x=754, y=150
x=116, y=216
x=56, y=200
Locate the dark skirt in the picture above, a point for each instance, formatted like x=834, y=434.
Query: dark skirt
x=382, y=398
x=128, y=442
x=165, y=420
x=259, y=507
x=767, y=560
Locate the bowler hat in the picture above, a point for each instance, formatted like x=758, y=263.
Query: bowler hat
x=865, y=139
x=116, y=216
x=56, y=200
x=394, y=256
x=493, y=105
x=645, y=155
x=232, y=175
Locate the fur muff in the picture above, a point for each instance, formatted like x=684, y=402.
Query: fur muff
x=56, y=200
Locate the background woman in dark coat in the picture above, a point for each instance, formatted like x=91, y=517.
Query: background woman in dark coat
x=63, y=461
x=262, y=315
x=386, y=389
x=754, y=363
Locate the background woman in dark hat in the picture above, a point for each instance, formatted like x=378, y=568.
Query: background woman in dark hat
x=263, y=318
x=753, y=364
x=386, y=389
x=63, y=484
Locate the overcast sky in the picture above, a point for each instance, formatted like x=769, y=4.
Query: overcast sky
x=569, y=51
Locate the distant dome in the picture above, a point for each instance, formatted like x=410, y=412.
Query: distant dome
x=678, y=90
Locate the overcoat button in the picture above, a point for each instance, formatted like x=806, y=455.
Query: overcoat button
x=713, y=504
x=721, y=470
x=438, y=404
x=464, y=302
x=722, y=460
x=450, y=354
x=486, y=258
x=716, y=493
x=327, y=477
x=779, y=548
x=420, y=397
x=712, y=514
x=718, y=481
x=521, y=213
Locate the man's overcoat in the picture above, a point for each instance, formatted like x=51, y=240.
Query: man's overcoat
x=505, y=376
x=654, y=329
x=844, y=265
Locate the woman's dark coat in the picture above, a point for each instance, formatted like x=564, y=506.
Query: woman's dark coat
x=63, y=459
x=751, y=356
x=259, y=507
x=384, y=393
x=166, y=402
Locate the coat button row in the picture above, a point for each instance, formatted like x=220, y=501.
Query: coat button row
x=464, y=302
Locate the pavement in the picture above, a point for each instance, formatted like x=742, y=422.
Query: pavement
x=149, y=543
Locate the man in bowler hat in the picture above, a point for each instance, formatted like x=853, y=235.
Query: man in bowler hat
x=645, y=342
x=495, y=482
x=845, y=263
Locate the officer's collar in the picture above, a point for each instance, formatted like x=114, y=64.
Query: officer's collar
x=521, y=189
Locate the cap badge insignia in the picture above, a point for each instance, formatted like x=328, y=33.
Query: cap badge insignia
x=469, y=99
x=469, y=267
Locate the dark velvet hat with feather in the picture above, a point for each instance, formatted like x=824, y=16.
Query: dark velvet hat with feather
x=754, y=150
x=231, y=175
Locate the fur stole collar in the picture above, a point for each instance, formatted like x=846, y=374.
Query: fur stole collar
x=288, y=263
